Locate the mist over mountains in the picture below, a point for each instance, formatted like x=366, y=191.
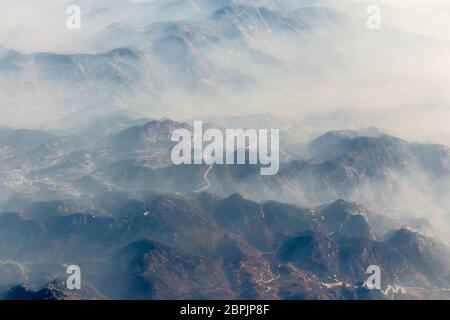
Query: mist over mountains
x=184, y=59
x=86, y=176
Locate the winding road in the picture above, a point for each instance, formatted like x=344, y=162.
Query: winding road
x=205, y=177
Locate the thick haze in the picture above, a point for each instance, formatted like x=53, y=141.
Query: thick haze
x=395, y=78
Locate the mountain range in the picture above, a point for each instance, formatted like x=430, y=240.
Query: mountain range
x=117, y=207
x=86, y=176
